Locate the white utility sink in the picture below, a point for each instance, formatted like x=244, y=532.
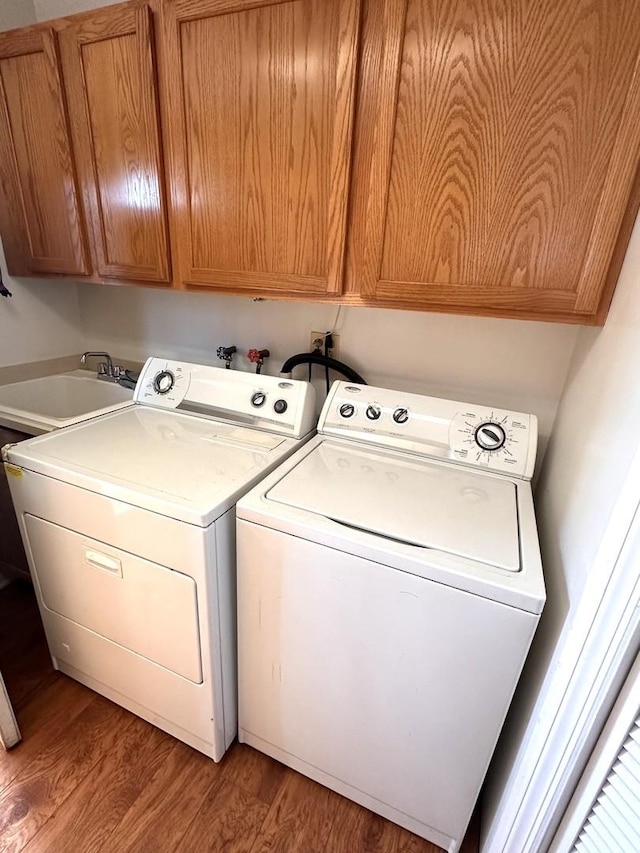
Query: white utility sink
x=40, y=405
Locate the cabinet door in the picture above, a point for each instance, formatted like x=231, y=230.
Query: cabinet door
x=110, y=77
x=40, y=215
x=496, y=154
x=260, y=104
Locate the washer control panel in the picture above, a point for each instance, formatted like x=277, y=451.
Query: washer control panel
x=477, y=436
x=281, y=405
x=163, y=383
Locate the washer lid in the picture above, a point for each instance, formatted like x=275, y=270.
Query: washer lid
x=434, y=505
x=187, y=467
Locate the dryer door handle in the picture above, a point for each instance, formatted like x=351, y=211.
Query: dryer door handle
x=104, y=562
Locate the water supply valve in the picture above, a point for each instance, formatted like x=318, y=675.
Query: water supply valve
x=257, y=357
x=226, y=354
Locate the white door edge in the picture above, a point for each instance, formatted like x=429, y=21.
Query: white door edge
x=603, y=758
x=9, y=731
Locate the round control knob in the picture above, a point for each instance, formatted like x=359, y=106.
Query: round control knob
x=164, y=382
x=490, y=436
x=347, y=410
x=258, y=399
x=373, y=412
x=401, y=416
x=280, y=407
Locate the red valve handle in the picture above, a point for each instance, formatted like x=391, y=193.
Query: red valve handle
x=255, y=355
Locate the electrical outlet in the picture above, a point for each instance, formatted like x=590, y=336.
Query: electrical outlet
x=316, y=341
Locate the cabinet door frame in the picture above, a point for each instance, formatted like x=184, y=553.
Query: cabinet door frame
x=90, y=28
x=177, y=12
x=383, y=37
x=21, y=256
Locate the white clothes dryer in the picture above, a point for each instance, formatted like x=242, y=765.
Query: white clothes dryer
x=389, y=587
x=128, y=521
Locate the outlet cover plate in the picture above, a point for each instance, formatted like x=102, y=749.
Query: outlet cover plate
x=334, y=351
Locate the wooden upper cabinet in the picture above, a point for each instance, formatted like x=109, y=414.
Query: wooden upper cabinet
x=260, y=111
x=110, y=76
x=496, y=155
x=40, y=215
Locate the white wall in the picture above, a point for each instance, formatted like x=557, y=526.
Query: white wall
x=580, y=491
x=503, y=363
x=42, y=319
x=16, y=13
x=47, y=9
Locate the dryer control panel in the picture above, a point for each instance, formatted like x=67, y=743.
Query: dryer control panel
x=476, y=436
x=285, y=406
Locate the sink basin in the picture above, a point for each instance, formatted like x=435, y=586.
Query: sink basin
x=40, y=405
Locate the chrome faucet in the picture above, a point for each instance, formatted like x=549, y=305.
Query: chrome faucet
x=106, y=369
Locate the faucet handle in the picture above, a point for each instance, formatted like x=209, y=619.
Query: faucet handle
x=226, y=354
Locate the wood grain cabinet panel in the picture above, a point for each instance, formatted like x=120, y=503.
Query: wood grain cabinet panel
x=497, y=149
x=260, y=106
x=40, y=215
x=109, y=66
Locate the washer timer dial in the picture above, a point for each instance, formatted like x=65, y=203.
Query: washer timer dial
x=163, y=382
x=490, y=436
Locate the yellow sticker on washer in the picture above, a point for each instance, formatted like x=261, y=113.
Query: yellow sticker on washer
x=13, y=470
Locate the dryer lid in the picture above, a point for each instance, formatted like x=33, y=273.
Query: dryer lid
x=429, y=504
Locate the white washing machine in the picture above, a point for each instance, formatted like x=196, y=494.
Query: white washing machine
x=389, y=587
x=128, y=522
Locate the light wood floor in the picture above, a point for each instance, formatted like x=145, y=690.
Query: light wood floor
x=89, y=776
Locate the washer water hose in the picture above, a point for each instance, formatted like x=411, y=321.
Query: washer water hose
x=317, y=358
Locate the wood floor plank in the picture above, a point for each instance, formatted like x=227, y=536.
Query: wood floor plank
x=358, y=830
x=299, y=819
x=45, y=719
x=254, y=772
x=88, y=816
x=160, y=817
x=41, y=788
x=410, y=843
x=228, y=821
